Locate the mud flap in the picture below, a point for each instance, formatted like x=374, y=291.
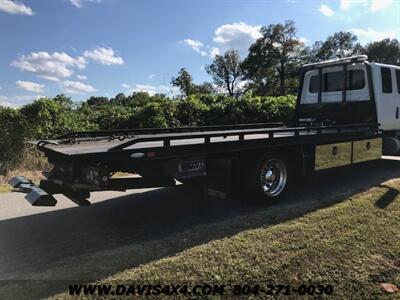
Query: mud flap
x=223, y=182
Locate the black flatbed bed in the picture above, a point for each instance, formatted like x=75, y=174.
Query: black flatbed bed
x=175, y=142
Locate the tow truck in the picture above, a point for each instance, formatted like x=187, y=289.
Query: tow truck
x=347, y=112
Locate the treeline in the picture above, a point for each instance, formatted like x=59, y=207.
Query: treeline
x=248, y=90
x=272, y=64
x=49, y=117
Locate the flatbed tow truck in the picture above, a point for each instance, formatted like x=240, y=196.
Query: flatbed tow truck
x=347, y=112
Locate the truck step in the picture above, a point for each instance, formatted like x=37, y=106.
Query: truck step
x=35, y=195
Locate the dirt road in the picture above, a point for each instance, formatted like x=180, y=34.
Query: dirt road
x=48, y=247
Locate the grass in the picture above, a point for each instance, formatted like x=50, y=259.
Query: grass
x=32, y=164
x=5, y=188
x=35, y=176
x=353, y=245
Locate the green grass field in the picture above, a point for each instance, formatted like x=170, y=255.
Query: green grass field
x=353, y=244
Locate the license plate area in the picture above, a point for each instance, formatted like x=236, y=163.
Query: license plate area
x=191, y=167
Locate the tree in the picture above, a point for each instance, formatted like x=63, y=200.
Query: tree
x=139, y=99
x=184, y=82
x=159, y=113
x=226, y=71
x=94, y=101
x=191, y=112
x=204, y=88
x=340, y=44
x=12, y=132
x=120, y=99
x=63, y=100
x=386, y=51
x=48, y=118
x=274, y=58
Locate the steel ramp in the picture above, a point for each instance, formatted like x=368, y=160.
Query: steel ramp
x=34, y=194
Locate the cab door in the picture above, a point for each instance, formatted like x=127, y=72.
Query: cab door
x=397, y=96
x=387, y=97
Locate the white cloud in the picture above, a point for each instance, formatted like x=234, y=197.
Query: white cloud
x=345, y=4
x=49, y=66
x=373, y=5
x=81, y=77
x=6, y=104
x=151, y=76
x=78, y=3
x=214, y=51
x=14, y=7
x=30, y=86
x=76, y=87
x=195, y=45
x=104, y=56
x=238, y=36
x=51, y=78
x=377, y=5
x=369, y=34
x=348, y=4
x=304, y=40
x=18, y=100
x=151, y=90
x=4, y=101
x=326, y=10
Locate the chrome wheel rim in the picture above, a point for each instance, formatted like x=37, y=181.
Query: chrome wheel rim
x=273, y=177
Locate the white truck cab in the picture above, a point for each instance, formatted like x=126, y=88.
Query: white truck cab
x=387, y=95
x=352, y=91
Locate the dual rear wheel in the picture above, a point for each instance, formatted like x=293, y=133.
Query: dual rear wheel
x=268, y=179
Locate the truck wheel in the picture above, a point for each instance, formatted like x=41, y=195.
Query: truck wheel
x=268, y=179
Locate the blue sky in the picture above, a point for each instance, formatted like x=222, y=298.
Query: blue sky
x=101, y=47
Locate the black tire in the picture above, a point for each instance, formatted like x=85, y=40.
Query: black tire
x=268, y=179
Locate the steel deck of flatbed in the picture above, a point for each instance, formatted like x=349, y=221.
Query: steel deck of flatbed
x=86, y=144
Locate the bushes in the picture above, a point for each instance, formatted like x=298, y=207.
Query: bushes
x=46, y=118
x=12, y=133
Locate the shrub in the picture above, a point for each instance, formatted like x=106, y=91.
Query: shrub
x=46, y=118
x=12, y=132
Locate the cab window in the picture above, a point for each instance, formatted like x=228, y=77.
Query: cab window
x=333, y=81
x=398, y=80
x=355, y=80
x=386, y=80
x=314, y=84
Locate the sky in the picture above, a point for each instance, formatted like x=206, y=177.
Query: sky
x=84, y=48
